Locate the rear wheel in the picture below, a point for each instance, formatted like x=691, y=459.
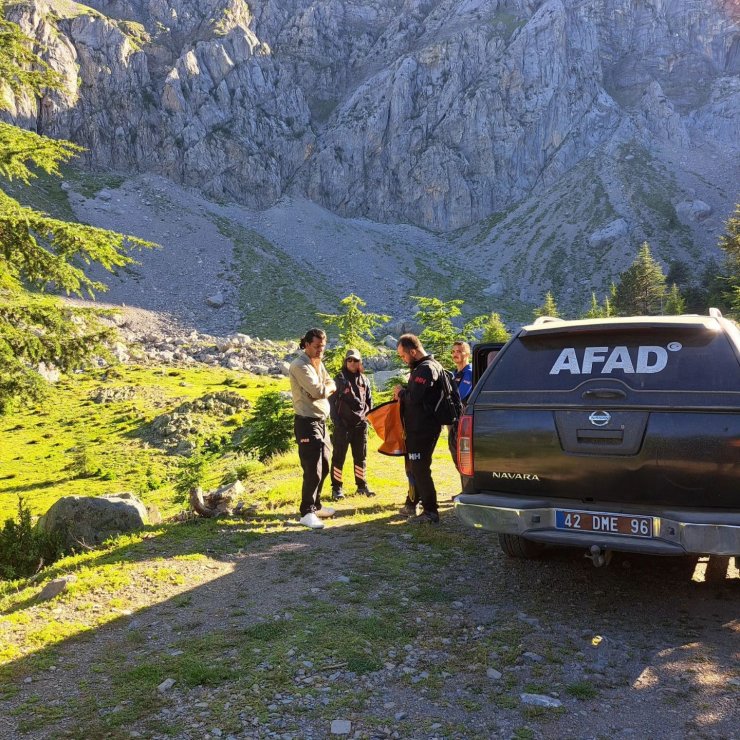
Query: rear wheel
x=517, y=547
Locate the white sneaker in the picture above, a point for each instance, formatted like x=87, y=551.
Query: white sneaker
x=325, y=512
x=311, y=520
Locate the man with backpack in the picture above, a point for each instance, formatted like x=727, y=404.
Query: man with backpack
x=425, y=406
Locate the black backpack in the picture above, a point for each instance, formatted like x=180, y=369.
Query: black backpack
x=449, y=406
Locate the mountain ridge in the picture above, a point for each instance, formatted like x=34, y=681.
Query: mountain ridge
x=443, y=112
x=537, y=143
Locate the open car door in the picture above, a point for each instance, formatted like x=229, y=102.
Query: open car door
x=483, y=356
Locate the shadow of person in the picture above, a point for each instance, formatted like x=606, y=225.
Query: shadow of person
x=267, y=627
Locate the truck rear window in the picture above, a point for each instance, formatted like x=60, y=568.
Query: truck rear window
x=677, y=359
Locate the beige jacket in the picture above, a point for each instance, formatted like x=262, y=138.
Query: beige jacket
x=310, y=393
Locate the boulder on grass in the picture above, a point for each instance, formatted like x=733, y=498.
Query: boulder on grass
x=86, y=521
x=52, y=589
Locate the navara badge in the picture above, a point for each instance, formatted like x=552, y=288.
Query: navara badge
x=600, y=418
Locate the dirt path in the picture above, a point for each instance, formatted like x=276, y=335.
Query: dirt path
x=399, y=632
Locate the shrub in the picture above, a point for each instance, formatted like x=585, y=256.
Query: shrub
x=269, y=432
x=84, y=463
x=24, y=550
x=191, y=474
x=241, y=469
x=153, y=482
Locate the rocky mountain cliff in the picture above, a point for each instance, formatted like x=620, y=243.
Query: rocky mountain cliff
x=534, y=133
x=433, y=112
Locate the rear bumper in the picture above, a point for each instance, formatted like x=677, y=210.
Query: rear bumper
x=674, y=531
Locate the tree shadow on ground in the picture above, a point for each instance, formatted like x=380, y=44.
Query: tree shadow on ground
x=341, y=599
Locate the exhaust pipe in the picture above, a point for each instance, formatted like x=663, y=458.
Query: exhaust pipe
x=598, y=556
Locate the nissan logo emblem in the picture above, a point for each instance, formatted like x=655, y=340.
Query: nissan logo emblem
x=600, y=418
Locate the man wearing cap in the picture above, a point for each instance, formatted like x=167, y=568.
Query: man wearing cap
x=349, y=406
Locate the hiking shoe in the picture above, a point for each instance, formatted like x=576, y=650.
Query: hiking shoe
x=311, y=521
x=408, y=510
x=325, y=512
x=426, y=517
x=337, y=494
x=364, y=492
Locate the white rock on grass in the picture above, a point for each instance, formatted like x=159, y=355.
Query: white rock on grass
x=493, y=674
x=216, y=300
x=341, y=727
x=48, y=372
x=540, y=700
x=166, y=685
x=533, y=657
x=614, y=230
x=693, y=210
x=55, y=587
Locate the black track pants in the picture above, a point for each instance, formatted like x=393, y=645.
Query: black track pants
x=419, y=451
x=314, y=450
x=344, y=438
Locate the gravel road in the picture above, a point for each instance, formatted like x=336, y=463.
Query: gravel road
x=646, y=648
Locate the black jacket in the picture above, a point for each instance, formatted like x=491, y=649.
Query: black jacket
x=420, y=396
x=352, y=400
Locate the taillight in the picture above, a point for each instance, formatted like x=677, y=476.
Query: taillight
x=465, y=445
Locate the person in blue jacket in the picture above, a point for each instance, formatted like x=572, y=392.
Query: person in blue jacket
x=463, y=378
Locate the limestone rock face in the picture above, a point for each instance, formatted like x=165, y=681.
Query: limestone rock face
x=89, y=520
x=432, y=112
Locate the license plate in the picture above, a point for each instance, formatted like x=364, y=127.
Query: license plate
x=595, y=521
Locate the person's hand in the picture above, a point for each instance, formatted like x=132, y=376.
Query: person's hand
x=397, y=392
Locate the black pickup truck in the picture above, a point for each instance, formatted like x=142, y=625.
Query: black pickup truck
x=612, y=434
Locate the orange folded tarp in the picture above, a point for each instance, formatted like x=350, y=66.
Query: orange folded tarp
x=386, y=421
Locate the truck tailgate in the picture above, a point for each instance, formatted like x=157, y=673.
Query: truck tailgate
x=667, y=457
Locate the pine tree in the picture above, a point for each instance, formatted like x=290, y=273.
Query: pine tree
x=38, y=252
x=355, y=330
x=439, y=332
x=674, y=304
x=641, y=288
x=548, y=308
x=607, y=307
x=269, y=431
x=494, y=330
x=729, y=242
x=595, y=311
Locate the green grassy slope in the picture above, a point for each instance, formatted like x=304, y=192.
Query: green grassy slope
x=40, y=444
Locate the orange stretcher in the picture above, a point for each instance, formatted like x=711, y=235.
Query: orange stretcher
x=386, y=421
